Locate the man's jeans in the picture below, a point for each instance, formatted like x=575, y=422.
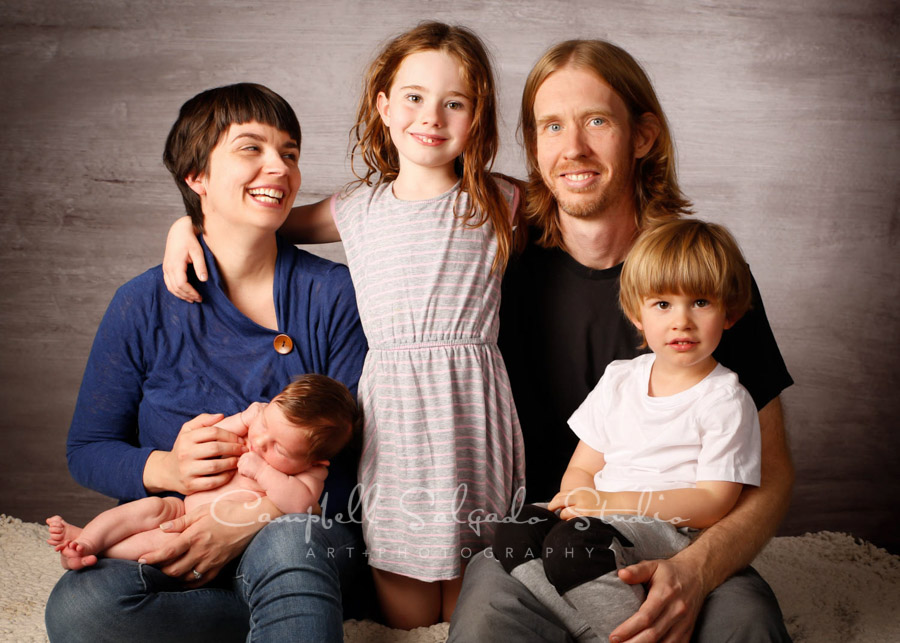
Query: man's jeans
x=495, y=606
x=286, y=586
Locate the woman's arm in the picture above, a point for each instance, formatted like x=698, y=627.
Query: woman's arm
x=310, y=223
x=203, y=457
x=104, y=448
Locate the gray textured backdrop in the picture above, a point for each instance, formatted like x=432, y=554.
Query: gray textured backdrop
x=786, y=120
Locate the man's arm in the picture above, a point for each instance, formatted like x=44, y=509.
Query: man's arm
x=679, y=586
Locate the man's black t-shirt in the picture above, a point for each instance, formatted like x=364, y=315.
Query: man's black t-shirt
x=560, y=325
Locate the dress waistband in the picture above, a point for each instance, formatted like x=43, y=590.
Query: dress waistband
x=444, y=343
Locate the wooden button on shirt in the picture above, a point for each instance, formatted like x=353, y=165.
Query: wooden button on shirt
x=283, y=344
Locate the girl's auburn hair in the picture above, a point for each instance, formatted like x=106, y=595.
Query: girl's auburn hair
x=372, y=139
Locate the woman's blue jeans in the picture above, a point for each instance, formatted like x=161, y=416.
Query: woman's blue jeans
x=285, y=587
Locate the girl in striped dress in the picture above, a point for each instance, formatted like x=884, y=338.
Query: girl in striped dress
x=427, y=231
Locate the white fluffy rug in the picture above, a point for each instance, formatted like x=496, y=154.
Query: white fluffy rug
x=831, y=588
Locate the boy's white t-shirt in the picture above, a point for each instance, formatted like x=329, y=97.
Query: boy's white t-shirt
x=707, y=432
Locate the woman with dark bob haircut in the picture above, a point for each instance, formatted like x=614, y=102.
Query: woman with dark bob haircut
x=269, y=312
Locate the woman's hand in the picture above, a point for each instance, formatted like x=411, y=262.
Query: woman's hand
x=209, y=537
x=182, y=248
x=203, y=457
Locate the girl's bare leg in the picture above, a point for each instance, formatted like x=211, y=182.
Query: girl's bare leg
x=407, y=603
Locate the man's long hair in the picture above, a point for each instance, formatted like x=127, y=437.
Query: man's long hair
x=657, y=196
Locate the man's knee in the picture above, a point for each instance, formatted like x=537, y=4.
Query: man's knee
x=742, y=608
x=484, y=591
x=495, y=606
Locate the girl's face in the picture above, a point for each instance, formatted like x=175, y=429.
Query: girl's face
x=251, y=179
x=429, y=110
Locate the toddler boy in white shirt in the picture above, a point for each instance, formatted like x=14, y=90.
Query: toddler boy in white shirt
x=666, y=440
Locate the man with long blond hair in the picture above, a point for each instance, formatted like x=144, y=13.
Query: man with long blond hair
x=601, y=167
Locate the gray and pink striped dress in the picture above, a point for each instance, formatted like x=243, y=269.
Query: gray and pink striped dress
x=442, y=448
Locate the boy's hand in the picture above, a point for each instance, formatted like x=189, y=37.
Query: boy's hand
x=250, y=464
x=183, y=248
x=576, y=502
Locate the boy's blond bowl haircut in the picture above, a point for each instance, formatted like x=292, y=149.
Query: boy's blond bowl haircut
x=687, y=257
x=325, y=409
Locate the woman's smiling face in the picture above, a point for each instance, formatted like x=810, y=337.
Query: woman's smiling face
x=252, y=177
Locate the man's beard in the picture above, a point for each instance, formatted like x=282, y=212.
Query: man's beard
x=603, y=196
x=582, y=209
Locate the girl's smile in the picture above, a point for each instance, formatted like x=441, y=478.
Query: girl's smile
x=428, y=111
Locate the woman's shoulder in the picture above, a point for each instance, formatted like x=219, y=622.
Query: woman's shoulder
x=144, y=288
x=135, y=307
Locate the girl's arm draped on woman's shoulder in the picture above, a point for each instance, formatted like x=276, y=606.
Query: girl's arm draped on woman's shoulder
x=310, y=223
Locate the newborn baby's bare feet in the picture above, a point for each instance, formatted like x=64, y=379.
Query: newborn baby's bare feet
x=74, y=554
x=61, y=532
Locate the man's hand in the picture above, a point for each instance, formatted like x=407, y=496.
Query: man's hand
x=675, y=597
x=207, y=541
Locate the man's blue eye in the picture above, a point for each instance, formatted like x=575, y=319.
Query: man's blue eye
x=598, y=121
x=554, y=127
